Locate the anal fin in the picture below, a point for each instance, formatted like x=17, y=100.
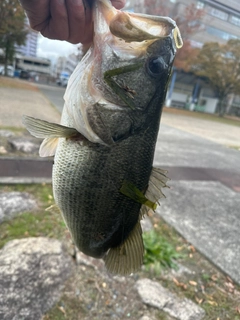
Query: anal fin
x=128, y=257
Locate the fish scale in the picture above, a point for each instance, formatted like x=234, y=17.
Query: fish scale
x=103, y=179
x=96, y=196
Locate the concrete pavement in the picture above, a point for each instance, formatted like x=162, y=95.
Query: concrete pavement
x=203, y=203
x=204, y=208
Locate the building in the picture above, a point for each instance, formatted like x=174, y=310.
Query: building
x=30, y=47
x=220, y=23
x=66, y=64
x=33, y=64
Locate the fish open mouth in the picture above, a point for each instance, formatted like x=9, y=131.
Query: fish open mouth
x=132, y=27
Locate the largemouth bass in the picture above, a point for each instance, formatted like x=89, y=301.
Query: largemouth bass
x=103, y=180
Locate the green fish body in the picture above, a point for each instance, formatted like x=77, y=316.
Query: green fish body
x=103, y=180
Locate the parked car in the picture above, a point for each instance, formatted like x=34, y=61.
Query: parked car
x=10, y=71
x=24, y=75
x=63, y=79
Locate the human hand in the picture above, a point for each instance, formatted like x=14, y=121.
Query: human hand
x=69, y=20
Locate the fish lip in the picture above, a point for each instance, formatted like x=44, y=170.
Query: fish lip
x=131, y=27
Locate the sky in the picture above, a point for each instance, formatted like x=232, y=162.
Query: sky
x=52, y=49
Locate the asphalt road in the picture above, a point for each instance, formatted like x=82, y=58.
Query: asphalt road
x=54, y=94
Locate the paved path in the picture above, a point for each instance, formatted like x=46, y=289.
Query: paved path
x=206, y=208
x=53, y=94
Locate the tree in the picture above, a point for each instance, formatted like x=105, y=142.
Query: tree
x=188, y=23
x=12, y=29
x=220, y=66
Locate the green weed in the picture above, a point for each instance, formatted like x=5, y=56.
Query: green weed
x=159, y=253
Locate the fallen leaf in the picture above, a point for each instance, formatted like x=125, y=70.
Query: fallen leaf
x=199, y=301
x=192, y=248
x=62, y=310
x=212, y=303
x=214, y=277
x=179, y=248
x=180, y=284
x=176, y=281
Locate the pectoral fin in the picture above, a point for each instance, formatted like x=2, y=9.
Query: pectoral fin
x=44, y=129
x=50, y=131
x=48, y=147
x=131, y=191
x=128, y=257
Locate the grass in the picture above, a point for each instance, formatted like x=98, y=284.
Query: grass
x=159, y=252
x=234, y=121
x=13, y=129
x=234, y=147
x=32, y=224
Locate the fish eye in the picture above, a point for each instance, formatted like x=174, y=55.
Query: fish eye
x=156, y=66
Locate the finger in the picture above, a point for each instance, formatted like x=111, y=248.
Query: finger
x=57, y=26
x=118, y=4
x=37, y=11
x=48, y=16
x=79, y=21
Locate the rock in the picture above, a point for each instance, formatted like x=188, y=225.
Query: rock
x=146, y=224
x=6, y=133
x=12, y=203
x=153, y=294
x=3, y=150
x=26, y=145
x=97, y=264
x=32, y=275
x=145, y=318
